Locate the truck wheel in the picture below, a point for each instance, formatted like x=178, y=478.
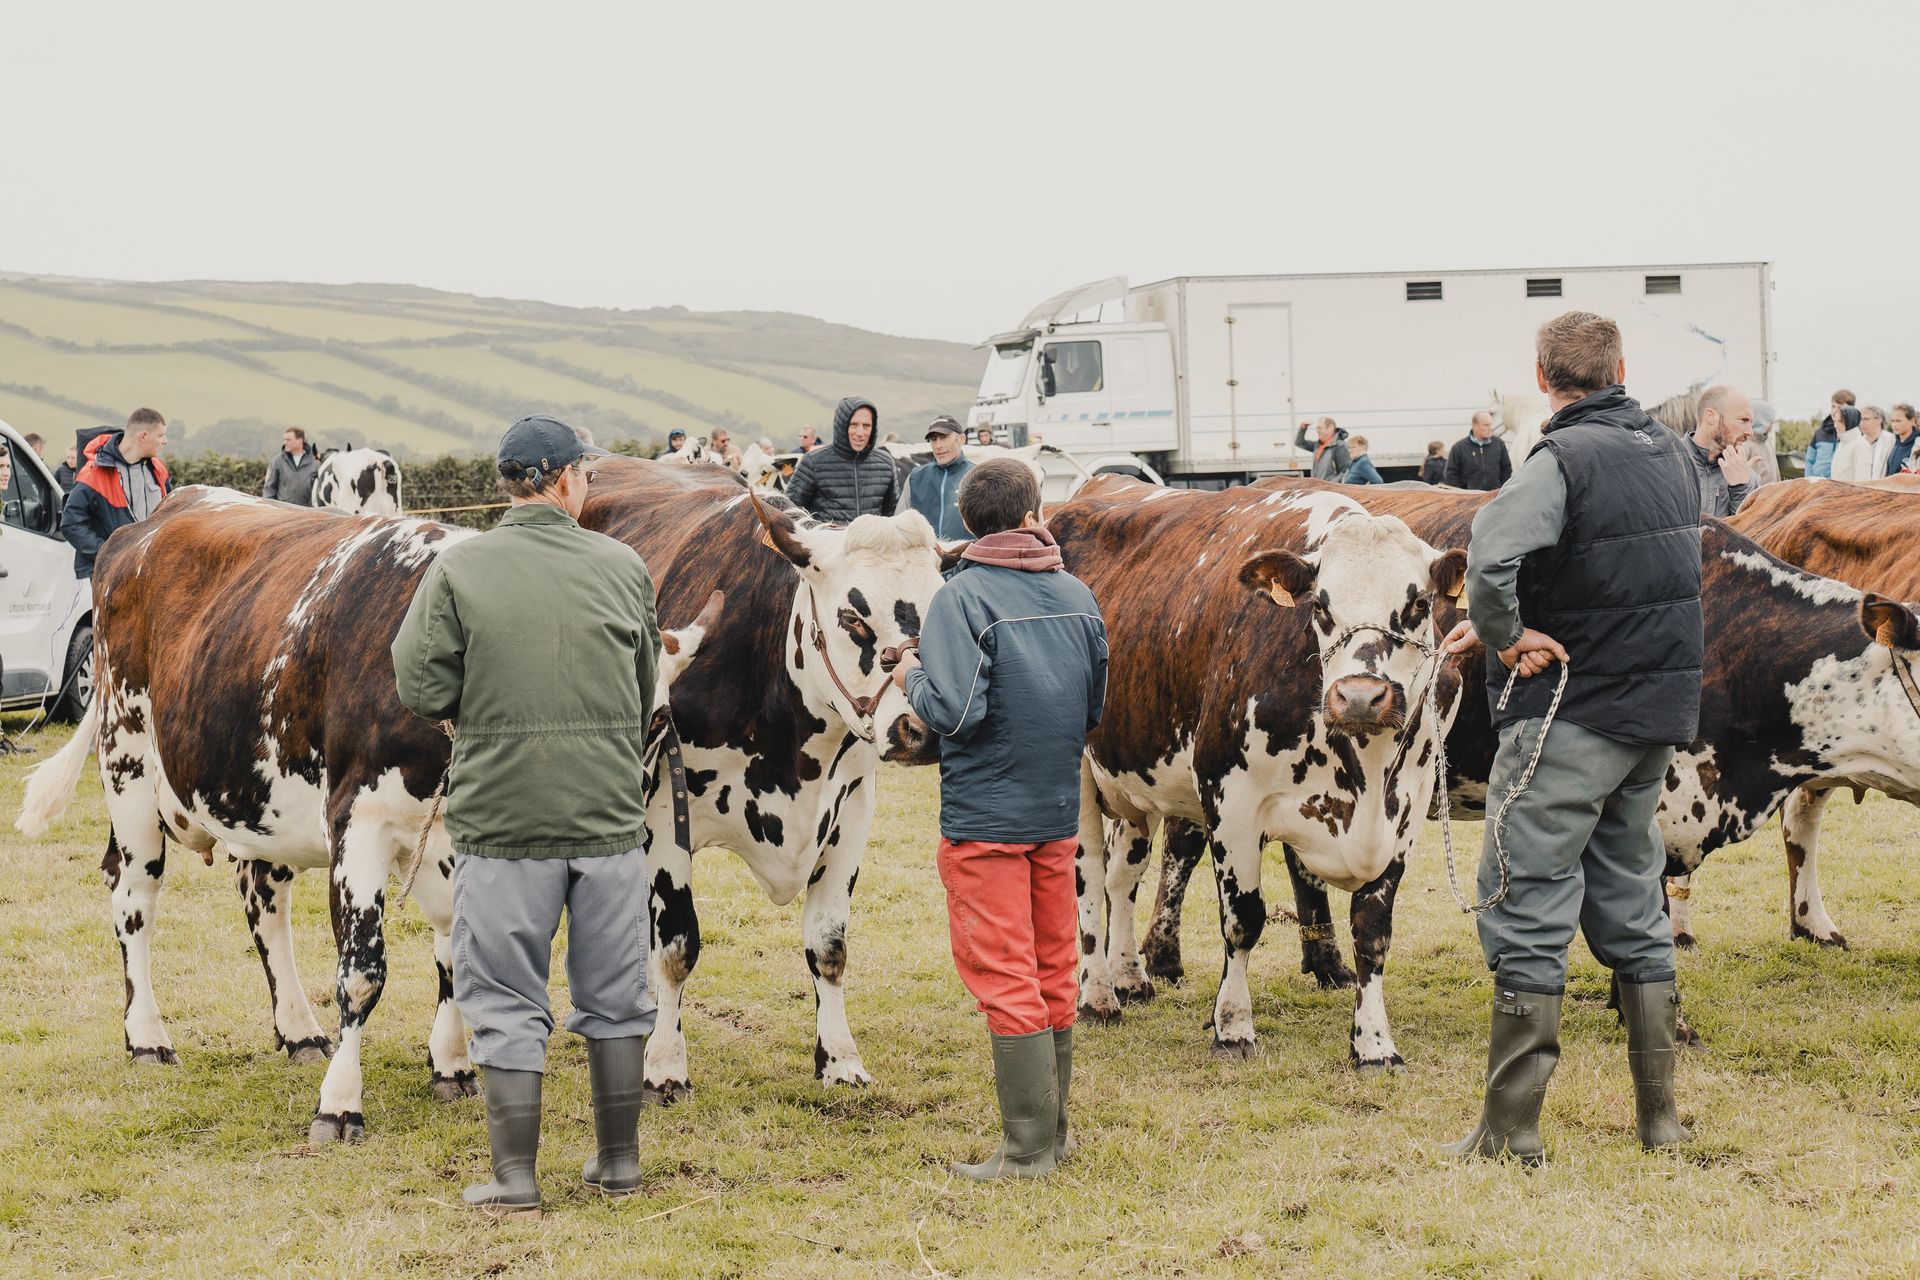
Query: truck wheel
x=76, y=681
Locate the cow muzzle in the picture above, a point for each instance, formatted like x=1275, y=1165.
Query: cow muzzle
x=908, y=741
x=1364, y=705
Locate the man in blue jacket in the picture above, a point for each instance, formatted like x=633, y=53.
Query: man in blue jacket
x=934, y=487
x=122, y=481
x=1015, y=678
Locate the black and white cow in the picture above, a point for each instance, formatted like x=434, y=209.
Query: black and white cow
x=246, y=697
x=786, y=713
x=359, y=482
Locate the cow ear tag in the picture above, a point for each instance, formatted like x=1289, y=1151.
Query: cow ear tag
x=1281, y=596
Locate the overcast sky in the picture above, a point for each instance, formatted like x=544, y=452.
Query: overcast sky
x=936, y=169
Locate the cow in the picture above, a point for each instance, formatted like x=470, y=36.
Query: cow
x=785, y=714
x=1822, y=700
x=1269, y=677
x=245, y=696
x=359, y=482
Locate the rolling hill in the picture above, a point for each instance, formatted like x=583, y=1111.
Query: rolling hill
x=420, y=371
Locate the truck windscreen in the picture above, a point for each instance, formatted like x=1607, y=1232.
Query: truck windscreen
x=1006, y=372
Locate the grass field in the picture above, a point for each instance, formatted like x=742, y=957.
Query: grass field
x=232, y=364
x=1805, y=1101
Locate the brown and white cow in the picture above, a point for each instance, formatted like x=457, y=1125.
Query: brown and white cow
x=785, y=714
x=1268, y=677
x=245, y=696
x=359, y=482
x=1819, y=701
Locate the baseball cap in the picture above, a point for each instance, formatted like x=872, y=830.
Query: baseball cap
x=676, y=434
x=944, y=426
x=544, y=444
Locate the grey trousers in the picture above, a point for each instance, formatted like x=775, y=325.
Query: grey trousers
x=505, y=914
x=1586, y=852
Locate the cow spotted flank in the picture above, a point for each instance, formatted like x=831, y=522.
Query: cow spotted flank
x=359, y=482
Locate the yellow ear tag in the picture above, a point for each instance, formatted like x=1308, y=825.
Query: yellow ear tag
x=766, y=538
x=1281, y=596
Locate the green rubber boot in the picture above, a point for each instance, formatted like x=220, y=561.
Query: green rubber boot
x=616, y=1068
x=1650, y=1010
x=1024, y=1078
x=1522, y=1050
x=1063, y=1146
x=513, y=1131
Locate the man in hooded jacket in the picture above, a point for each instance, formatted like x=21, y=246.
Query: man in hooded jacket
x=851, y=477
x=121, y=482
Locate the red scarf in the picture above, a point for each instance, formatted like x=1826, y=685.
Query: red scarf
x=1031, y=550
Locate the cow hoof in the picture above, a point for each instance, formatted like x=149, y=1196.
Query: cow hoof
x=1162, y=961
x=1836, y=939
x=158, y=1056
x=1684, y=1036
x=461, y=1084
x=350, y=1126
x=1686, y=942
x=1135, y=992
x=1393, y=1065
x=304, y=1053
x=665, y=1094
x=1101, y=1012
x=851, y=1074
x=1335, y=979
x=1234, y=1050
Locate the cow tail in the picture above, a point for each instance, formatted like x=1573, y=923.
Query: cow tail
x=51, y=785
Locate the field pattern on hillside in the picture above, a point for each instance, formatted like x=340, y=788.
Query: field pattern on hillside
x=424, y=372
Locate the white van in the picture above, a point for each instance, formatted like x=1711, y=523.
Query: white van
x=46, y=614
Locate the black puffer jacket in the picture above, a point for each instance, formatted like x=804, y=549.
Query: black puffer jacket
x=837, y=483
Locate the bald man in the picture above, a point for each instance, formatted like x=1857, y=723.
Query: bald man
x=1726, y=422
x=1479, y=461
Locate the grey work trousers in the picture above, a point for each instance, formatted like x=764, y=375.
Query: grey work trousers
x=1586, y=852
x=505, y=914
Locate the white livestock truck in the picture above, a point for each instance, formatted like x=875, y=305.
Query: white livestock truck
x=1207, y=379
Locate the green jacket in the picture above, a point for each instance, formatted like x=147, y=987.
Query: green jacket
x=538, y=640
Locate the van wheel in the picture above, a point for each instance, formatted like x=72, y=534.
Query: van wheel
x=76, y=681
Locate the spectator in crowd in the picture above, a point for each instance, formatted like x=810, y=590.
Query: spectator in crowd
x=1862, y=455
x=122, y=482
x=851, y=477
x=1758, y=450
x=1329, y=445
x=1361, y=470
x=809, y=440
x=766, y=445
x=1725, y=422
x=721, y=442
x=1826, y=436
x=1903, y=423
x=676, y=441
x=1434, y=469
x=934, y=487
x=542, y=821
x=1015, y=679
x=291, y=474
x=983, y=435
x=1477, y=460
x=69, y=465
x=35, y=443
x=6, y=465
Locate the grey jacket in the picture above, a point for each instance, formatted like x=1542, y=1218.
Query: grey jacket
x=837, y=483
x=1717, y=497
x=1014, y=678
x=1333, y=461
x=290, y=479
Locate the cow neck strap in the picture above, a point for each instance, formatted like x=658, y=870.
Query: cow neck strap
x=863, y=707
x=1905, y=672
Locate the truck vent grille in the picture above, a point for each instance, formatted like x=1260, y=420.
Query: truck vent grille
x=1423, y=291
x=1547, y=288
x=1663, y=284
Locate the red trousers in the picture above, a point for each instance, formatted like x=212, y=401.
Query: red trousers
x=1012, y=913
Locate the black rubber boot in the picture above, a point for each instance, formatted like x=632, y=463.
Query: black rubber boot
x=1650, y=1010
x=616, y=1068
x=1523, y=1048
x=1024, y=1078
x=513, y=1130
x=1063, y=1146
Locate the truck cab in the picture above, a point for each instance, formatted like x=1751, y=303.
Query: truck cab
x=46, y=614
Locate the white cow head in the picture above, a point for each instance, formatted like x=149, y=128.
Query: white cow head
x=1370, y=585
x=866, y=591
x=359, y=482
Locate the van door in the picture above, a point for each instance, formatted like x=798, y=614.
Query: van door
x=1260, y=378
x=37, y=586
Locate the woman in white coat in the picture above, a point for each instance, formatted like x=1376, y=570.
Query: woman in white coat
x=1862, y=454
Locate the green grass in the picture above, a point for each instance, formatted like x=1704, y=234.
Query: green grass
x=1805, y=1102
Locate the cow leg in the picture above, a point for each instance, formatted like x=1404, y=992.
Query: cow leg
x=836, y=1059
x=363, y=857
x=266, y=890
x=135, y=862
x=1243, y=914
x=1680, y=911
x=453, y=1074
x=1320, y=956
x=1130, y=984
x=1183, y=844
x=1372, y=916
x=670, y=961
x=1097, y=998
x=1800, y=823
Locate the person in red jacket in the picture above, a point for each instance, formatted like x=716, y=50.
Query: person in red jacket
x=122, y=481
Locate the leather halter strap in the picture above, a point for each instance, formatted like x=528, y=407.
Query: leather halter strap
x=863, y=706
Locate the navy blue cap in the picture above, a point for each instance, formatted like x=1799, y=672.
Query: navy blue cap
x=675, y=432
x=546, y=444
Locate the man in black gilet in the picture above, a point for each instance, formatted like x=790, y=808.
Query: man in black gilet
x=1587, y=564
